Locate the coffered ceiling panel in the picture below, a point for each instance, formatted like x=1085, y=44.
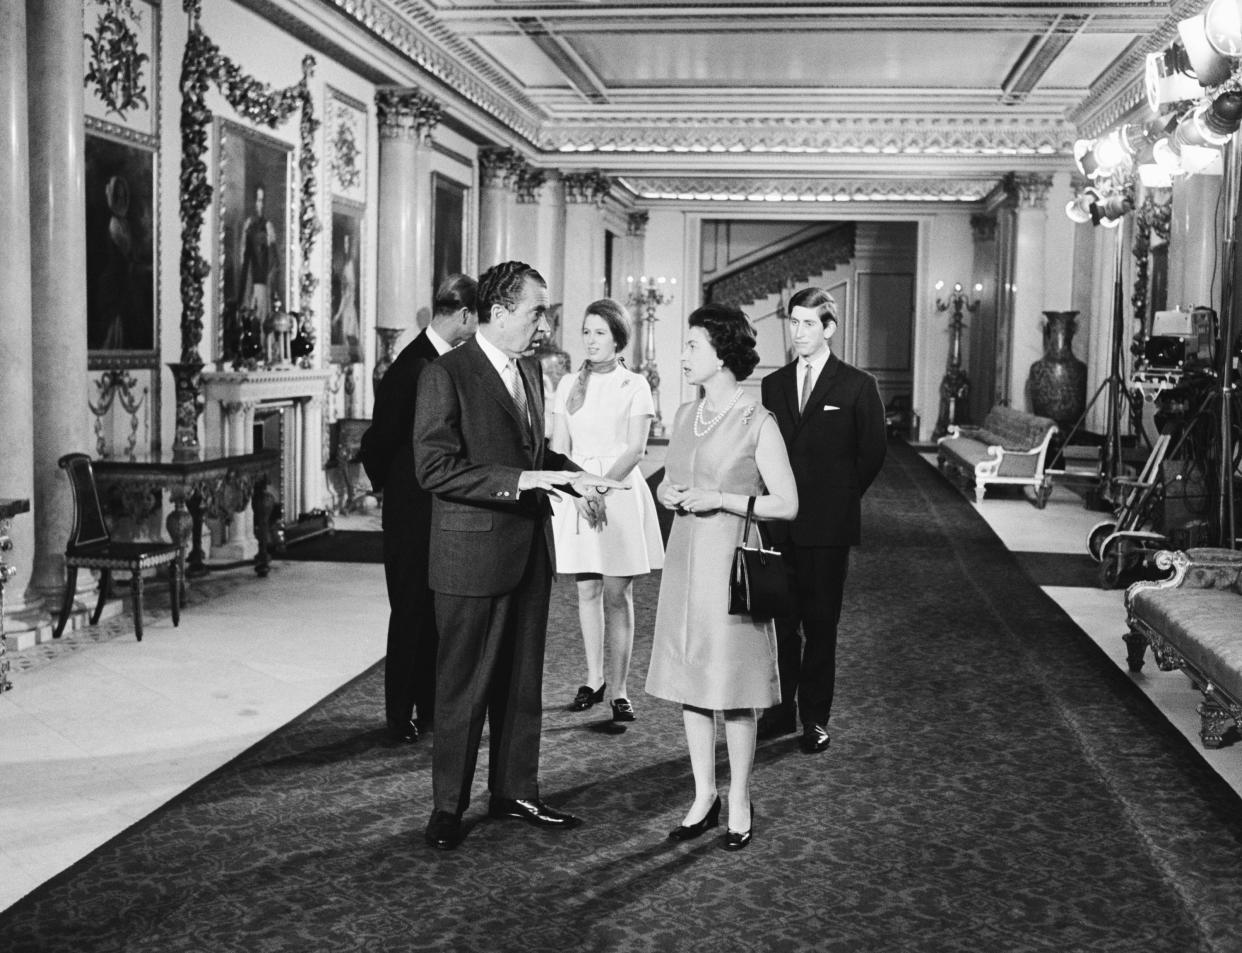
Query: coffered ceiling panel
x=654, y=89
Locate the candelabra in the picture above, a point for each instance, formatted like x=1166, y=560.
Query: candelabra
x=649, y=294
x=955, y=385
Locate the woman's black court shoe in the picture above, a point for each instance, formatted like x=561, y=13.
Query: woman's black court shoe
x=586, y=698
x=691, y=831
x=735, y=840
x=622, y=710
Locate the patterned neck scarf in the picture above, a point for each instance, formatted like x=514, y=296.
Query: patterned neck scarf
x=577, y=395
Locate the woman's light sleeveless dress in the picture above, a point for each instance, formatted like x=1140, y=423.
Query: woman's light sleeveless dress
x=701, y=655
x=629, y=543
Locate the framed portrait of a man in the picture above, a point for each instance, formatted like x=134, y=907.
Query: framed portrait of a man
x=345, y=286
x=254, y=174
x=120, y=252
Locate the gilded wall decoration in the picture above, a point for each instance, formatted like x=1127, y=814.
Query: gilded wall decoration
x=203, y=65
x=121, y=63
x=345, y=135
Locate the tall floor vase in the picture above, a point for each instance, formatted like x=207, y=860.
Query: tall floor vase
x=1058, y=380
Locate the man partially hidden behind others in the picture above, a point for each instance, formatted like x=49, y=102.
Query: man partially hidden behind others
x=388, y=457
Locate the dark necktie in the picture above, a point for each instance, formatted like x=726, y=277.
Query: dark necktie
x=518, y=392
x=806, y=387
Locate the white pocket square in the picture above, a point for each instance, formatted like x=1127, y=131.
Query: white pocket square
x=831, y=407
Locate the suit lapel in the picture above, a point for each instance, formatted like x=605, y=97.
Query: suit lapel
x=490, y=381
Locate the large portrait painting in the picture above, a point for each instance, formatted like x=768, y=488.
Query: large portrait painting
x=253, y=194
x=120, y=251
x=345, y=316
x=448, y=229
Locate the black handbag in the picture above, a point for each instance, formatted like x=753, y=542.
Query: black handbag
x=758, y=583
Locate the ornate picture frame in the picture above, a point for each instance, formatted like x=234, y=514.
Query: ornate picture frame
x=254, y=246
x=344, y=267
x=345, y=146
x=122, y=244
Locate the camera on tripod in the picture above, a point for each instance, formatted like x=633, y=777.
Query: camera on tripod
x=1179, y=342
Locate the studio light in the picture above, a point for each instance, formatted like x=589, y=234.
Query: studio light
x=1166, y=78
x=1222, y=24
x=1084, y=157
x=1078, y=209
x=1211, y=66
x=1155, y=176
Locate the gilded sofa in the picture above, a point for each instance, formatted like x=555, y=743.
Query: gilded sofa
x=1010, y=448
x=1193, y=621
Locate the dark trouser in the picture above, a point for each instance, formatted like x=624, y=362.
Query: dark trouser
x=410, y=665
x=491, y=666
x=807, y=660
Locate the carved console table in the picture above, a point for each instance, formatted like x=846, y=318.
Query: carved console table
x=8, y=509
x=203, y=485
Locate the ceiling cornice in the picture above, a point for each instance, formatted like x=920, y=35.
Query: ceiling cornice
x=807, y=189
x=925, y=135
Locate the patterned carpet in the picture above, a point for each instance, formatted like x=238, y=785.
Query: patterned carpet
x=995, y=785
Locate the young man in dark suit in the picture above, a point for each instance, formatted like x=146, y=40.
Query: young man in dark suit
x=480, y=449
x=832, y=419
x=387, y=455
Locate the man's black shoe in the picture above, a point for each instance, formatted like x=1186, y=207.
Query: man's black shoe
x=815, y=738
x=443, y=830
x=532, y=811
x=774, y=724
x=403, y=731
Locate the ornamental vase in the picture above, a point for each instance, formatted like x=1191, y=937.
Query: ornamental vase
x=388, y=338
x=1058, y=380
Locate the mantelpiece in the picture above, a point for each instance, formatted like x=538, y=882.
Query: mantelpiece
x=280, y=408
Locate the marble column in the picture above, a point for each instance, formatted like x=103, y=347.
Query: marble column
x=631, y=270
x=551, y=255
x=1022, y=292
x=496, y=171
x=585, y=193
x=58, y=272
x=406, y=120
x=16, y=414
x=524, y=217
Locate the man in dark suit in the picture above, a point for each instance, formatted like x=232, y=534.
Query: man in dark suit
x=832, y=419
x=479, y=447
x=387, y=455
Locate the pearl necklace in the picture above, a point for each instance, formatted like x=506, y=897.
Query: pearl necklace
x=703, y=427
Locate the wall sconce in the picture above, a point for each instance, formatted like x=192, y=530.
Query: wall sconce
x=955, y=385
x=649, y=294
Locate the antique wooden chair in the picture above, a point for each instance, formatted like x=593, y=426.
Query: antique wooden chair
x=91, y=546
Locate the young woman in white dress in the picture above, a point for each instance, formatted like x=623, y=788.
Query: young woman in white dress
x=601, y=418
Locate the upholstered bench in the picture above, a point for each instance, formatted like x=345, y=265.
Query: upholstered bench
x=1010, y=448
x=1193, y=621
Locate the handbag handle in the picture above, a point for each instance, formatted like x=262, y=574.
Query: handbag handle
x=750, y=519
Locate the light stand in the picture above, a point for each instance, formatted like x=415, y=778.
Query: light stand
x=955, y=385
x=1226, y=515
x=648, y=296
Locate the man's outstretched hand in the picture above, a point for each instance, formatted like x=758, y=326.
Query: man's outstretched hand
x=571, y=482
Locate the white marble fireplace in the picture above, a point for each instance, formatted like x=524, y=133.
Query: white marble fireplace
x=284, y=405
